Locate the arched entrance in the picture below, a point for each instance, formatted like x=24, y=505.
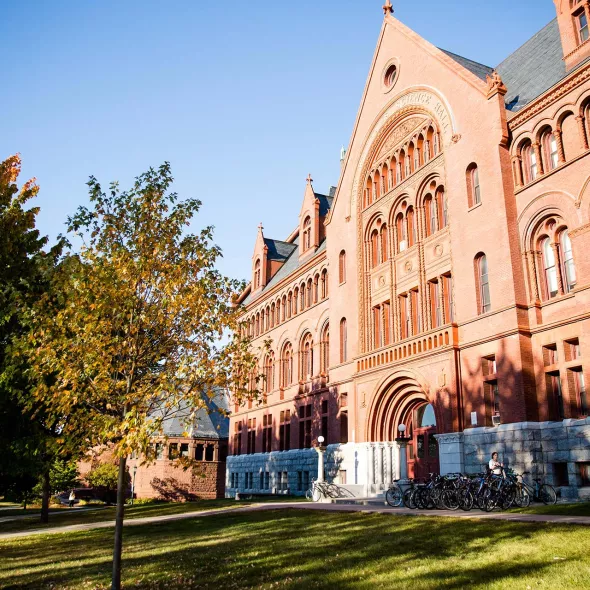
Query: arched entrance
x=402, y=400
x=423, y=446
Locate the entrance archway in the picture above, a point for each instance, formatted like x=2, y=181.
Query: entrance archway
x=403, y=400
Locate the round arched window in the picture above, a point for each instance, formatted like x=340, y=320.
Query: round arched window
x=390, y=76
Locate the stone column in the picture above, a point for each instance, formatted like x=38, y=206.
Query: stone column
x=559, y=142
x=540, y=168
x=402, y=445
x=371, y=463
x=517, y=166
x=320, y=451
x=582, y=128
x=379, y=464
x=388, y=464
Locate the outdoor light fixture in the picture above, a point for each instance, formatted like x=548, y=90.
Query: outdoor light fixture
x=320, y=439
x=402, y=429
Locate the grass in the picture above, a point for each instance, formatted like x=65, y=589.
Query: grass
x=66, y=517
x=574, y=509
x=298, y=549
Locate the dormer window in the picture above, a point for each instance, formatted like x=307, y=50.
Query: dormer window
x=257, y=275
x=307, y=234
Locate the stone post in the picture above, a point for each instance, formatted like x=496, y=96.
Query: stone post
x=402, y=445
x=321, y=452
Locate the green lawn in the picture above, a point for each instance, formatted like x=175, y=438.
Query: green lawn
x=298, y=549
x=575, y=509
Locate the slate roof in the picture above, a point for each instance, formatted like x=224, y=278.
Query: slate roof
x=290, y=266
x=325, y=203
x=533, y=68
x=278, y=250
x=474, y=67
x=210, y=423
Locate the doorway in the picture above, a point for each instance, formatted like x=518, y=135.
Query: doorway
x=422, y=450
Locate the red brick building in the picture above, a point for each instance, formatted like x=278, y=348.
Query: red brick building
x=443, y=285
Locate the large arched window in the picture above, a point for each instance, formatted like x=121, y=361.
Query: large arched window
x=483, y=285
x=549, y=146
x=287, y=365
x=306, y=357
x=343, y=341
x=549, y=269
x=569, y=270
x=402, y=238
x=430, y=214
x=257, y=275
x=325, y=350
x=473, y=188
x=374, y=248
x=441, y=206
x=307, y=234
x=342, y=267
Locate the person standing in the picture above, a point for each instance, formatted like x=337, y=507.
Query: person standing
x=494, y=465
x=72, y=498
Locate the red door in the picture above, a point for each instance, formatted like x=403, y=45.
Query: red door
x=425, y=453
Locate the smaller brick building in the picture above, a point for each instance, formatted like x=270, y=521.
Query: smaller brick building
x=206, y=444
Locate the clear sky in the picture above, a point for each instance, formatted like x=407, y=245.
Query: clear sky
x=244, y=99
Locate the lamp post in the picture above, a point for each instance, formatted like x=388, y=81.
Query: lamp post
x=402, y=444
x=133, y=484
x=320, y=449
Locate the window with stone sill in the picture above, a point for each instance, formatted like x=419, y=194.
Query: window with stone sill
x=582, y=26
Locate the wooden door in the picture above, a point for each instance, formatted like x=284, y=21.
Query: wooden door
x=425, y=452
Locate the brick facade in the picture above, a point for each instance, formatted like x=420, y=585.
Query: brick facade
x=463, y=214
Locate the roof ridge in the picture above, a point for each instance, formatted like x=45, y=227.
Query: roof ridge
x=466, y=58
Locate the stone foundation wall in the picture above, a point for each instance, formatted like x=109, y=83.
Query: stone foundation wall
x=527, y=446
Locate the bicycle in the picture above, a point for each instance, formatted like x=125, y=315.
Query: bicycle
x=540, y=492
x=321, y=490
x=395, y=496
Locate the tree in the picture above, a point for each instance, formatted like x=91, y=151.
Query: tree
x=104, y=477
x=136, y=334
x=24, y=443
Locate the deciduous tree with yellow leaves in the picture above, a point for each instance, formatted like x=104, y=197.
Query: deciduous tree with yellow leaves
x=132, y=329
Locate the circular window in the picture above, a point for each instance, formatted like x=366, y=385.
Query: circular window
x=390, y=76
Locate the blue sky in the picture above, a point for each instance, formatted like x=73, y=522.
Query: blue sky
x=244, y=100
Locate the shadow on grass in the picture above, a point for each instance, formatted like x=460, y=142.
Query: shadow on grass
x=293, y=549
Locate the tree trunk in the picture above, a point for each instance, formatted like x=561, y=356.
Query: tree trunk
x=45, y=497
x=116, y=581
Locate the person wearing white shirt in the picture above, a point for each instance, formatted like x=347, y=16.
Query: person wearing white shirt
x=494, y=465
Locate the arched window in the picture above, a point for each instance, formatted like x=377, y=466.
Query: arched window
x=343, y=341
x=549, y=269
x=306, y=355
x=272, y=315
x=411, y=225
x=529, y=163
x=284, y=309
x=324, y=284
x=302, y=296
x=316, y=288
x=325, y=350
x=384, y=243
x=257, y=275
x=374, y=248
x=257, y=333
x=295, y=300
x=483, y=285
x=550, y=154
x=342, y=267
x=473, y=188
x=402, y=238
x=278, y=312
x=309, y=293
x=569, y=270
x=307, y=234
x=269, y=379
x=287, y=365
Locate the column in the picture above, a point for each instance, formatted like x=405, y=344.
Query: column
x=371, y=463
x=403, y=459
x=582, y=127
x=441, y=299
x=388, y=464
x=516, y=165
x=540, y=167
x=379, y=478
x=320, y=451
x=559, y=142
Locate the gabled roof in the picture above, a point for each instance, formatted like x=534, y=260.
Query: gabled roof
x=533, y=68
x=291, y=265
x=212, y=422
x=278, y=250
x=474, y=67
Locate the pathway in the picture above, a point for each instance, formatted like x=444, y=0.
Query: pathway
x=538, y=518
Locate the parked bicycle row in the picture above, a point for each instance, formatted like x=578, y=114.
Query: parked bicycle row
x=485, y=491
